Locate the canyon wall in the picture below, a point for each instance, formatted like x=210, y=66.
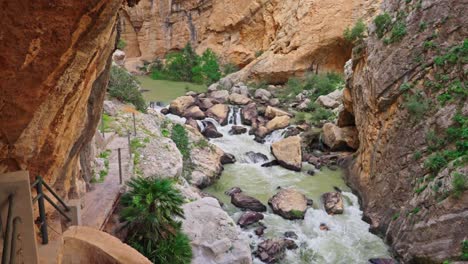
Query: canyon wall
x=54, y=70
x=274, y=38
x=409, y=98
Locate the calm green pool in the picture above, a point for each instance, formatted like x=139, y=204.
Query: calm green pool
x=166, y=91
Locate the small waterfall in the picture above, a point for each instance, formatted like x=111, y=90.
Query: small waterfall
x=233, y=113
x=275, y=136
x=201, y=125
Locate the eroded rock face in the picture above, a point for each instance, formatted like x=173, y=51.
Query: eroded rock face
x=385, y=172
x=55, y=68
x=340, y=138
x=288, y=152
x=213, y=234
x=237, y=31
x=289, y=203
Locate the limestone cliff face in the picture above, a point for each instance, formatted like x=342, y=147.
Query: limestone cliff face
x=414, y=209
x=291, y=36
x=54, y=58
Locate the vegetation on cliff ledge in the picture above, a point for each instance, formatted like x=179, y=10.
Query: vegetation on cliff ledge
x=152, y=209
x=124, y=87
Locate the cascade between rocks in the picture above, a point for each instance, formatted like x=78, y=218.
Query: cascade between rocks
x=347, y=240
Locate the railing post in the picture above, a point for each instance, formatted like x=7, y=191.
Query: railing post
x=120, y=166
x=42, y=215
x=16, y=221
x=102, y=125
x=8, y=233
x=134, y=124
x=129, y=144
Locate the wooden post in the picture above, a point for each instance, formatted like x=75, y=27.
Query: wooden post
x=120, y=166
x=129, y=144
x=102, y=125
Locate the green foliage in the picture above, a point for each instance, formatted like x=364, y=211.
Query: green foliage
x=428, y=45
x=397, y=34
x=165, y=133
x=202, y=143
x=297, y=213
x=180, y=138
x=105, y=154
x=464, y=253
x=357, y=33
x=136, y=144
x=300, y=117
x=229, y=68
x=382, y=23
x=395, y=216
x=406, y=86
x=187, y=66
x=151, y=209
x=317, y=84
x=422, y=26
x=416, y=105
x=457, y=54
x=420, y=189
x=417, y=155
x=435, y=162
x=459, y=184
x=121, y=44
x=321, y=114
x=124, y=87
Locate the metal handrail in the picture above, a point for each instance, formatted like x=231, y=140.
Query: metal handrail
x=38, y=184
x=9, y=241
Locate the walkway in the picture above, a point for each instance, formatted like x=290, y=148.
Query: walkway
x=100, y=201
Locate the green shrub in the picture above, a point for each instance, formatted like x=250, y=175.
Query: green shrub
x=124, y=87
x=422, y=26
x=464, y=253
x=416, y=105
x=320, y=114
x=435, y=162
x=207, y=69
x=417, y=155
x=398, y=32
x=406, y=86
x=459, y=184
x=357, y=33
x=395, y=216
x=151, y=209
x=300, y=117
x=121, y=44
x=382, y=24
x=229, y=68
x=179, y=64
x=180, y=138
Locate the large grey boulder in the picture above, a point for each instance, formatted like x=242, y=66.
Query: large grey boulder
x=288, y=153
x=214, y=237
x=289, y=203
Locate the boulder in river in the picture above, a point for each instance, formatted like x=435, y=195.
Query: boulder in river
x=288, y=152
x=194, y=112
x=289, y=203
x=210, y=131
x=213, y=235
x=381, y=261
x=193, y=123
x=244, y=201
x=239, y=99
x=237, y=130
x=290, y=234
x=333, y=202
x=272, y=112
x=180, y=104
x=249, y=114
x=340, y=138
x=274, y=250
x=228, y=158
x=256, y=157
x=260, y=230
x=249, y=218
x=331, y=100
x=278, y=123
x=164, y=111
x=204, y=103
x=270, y=163
x=219, y=112
x=220, y=96
x=233, y=191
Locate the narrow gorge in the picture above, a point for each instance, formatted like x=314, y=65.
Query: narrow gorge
x=219, y=132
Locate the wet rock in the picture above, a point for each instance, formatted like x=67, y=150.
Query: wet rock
x=288, y=153
x=272, y=250
x=310, y=202
x=270, y=163
x=262, y=94
x=337, y=189
x=289, y=203
x=272, y=112
x=290, y=244
x=315, y=161
x=324, y=227
x=204, y=103
x=259, y=139
x=239, y=99
x=204, y=194
x=292, y=131
x=180, y=104
x=249, y=218
x=333, y=167
x=311, y=172
x=333, y=203
x=261, y=132
x=219, y=112
x=220, y=96
x=259, y=231
x=210, y=131
x=256, y=157
x=228, y=158
x=193, y=123
x=233, y=191
x=278, y=123
x=194, y=112
x=290, y=234
x=340, y=138
x=246, y=202
x=164, y=111
x=237, y=130
x=249, y=114
x=381, y=261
